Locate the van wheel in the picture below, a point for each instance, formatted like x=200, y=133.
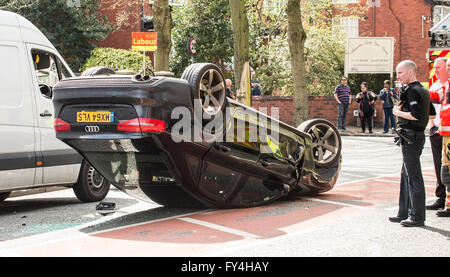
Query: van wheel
x=4, y=195
x=91, y=185
x=98, y=70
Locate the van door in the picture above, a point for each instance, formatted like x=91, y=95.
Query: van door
x=60, y=163
x=17, y=139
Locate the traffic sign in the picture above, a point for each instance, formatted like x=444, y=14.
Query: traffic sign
x=191, y=46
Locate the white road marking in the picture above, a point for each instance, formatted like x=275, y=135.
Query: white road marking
x=74, y=233
x=219, y=227
x=337, y=203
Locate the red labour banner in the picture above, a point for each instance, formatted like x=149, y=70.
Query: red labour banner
x=144, y=41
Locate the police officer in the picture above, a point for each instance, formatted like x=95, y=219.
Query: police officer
x=413, y=113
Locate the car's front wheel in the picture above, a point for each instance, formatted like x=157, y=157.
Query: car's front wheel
x=326, y=141
x=91, y=185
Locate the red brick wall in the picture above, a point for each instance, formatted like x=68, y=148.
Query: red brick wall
x=403, y=21
x=285, y=105
x=319, y=107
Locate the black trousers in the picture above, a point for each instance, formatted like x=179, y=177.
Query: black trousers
x=436, y=150
x=366, y=117
x=412, y=187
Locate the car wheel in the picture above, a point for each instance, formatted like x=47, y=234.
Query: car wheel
x=91, y=185
x=326, y=141
x=4, y=195
x=98, y=70
x=207, y=87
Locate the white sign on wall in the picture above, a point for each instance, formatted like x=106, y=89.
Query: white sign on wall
x=369, y=55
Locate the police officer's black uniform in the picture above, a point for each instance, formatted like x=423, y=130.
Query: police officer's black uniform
x=416, y=100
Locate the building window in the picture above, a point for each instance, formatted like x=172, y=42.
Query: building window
x=274, y=6
x=345, y=1
x=173, y=2
x=347, y=25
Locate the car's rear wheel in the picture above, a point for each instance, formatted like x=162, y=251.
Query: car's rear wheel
x=91, y=185
x=326, y=141
x=207, y=87
x=98, y=70
x=4, y=195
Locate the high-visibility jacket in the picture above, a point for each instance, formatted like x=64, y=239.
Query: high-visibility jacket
x=444, y=130
x=437, y=91
x=437, y=94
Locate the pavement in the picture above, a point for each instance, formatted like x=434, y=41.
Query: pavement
x=357, y=131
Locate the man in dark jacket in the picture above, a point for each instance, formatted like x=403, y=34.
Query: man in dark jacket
x=366, y=100
x=413, y=113
x=388, y=95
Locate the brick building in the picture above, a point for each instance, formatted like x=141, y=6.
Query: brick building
x=407, y=21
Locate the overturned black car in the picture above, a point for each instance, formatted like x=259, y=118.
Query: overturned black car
x=181, y=142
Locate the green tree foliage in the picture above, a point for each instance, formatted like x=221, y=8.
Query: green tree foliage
x=209, y=23
x=324, y=47
x=269, y=50
x=71, y=29
x=116, y=59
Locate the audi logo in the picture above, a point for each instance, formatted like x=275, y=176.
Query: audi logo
x=92, y=129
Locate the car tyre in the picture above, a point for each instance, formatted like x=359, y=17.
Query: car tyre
x=326, y=141
x=208, y=87
x=91, y=185
x=4, y=195
x=98, y=70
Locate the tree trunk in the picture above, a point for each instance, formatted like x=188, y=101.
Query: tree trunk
x=162, y=19
x=296, y=39
x=241, y=37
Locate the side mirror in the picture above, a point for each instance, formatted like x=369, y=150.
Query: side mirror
x=46, y=91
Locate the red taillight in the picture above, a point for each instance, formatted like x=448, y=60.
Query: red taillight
x=60, y=125
x=143, y=125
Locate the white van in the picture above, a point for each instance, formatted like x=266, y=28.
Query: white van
x=30, y=154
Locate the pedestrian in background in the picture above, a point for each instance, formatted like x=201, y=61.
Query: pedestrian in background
x=437, y=93
x=343, y=96
x=413, y=113
x=256, y=85
x=229, y=92
x=366, y=100
x=389, y=96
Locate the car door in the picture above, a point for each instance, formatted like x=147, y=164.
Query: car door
x=232, y=170
x=60, y=163
x=17, y=133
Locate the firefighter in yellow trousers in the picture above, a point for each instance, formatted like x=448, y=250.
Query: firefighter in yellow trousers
x=444, y=131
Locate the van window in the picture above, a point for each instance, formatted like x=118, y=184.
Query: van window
x=64, y=73
x=11, y=78
x=45, y=68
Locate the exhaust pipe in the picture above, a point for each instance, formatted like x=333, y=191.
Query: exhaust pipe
x=139, y=77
